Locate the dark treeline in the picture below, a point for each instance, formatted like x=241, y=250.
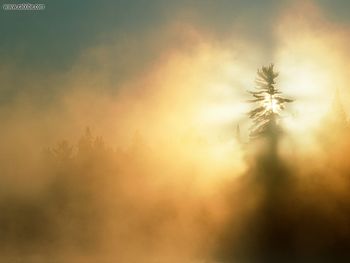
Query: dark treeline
x=66, y=210
x=99, y=200
x=96, y=201
x=87, y=202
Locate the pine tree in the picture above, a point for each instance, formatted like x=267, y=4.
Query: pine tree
x=270, y=103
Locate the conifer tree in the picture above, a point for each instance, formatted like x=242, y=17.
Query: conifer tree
x=270, y=103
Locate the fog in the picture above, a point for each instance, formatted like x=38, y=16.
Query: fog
x=125, y=163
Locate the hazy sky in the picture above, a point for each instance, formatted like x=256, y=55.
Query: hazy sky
x=114, y=65
x=51, y=40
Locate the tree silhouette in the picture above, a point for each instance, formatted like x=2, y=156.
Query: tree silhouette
x=270, y=103
x=63, y=151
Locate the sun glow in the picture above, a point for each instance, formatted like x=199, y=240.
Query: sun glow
x=308, y=80
x=271, y=104
x=312, y=65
